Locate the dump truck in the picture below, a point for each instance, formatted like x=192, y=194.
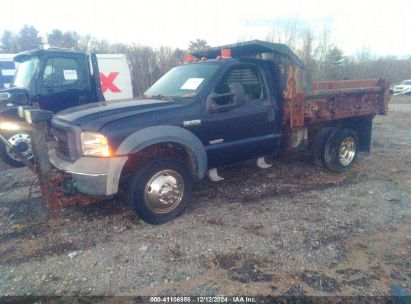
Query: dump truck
x=54, y=80
x=223, y=105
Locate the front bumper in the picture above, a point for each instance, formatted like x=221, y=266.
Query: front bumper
x=92, y=175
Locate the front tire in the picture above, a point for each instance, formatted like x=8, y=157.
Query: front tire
x=160, y=190
x=341, y=150
x=22, y=142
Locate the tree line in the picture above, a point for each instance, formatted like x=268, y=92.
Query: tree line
x=326, y=61
x=323, y=59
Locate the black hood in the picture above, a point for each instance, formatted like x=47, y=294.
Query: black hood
x=95, y=115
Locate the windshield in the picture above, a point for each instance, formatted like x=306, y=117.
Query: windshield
x=182, y=81
x=406, y=82
x=25, y=72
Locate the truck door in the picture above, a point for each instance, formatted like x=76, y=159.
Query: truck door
x=63, y=81
x=247, y=130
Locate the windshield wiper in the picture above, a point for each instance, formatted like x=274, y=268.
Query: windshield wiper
x=162, y=97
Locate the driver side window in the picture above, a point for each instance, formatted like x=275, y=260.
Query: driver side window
x=60, y=72
x=248, y=77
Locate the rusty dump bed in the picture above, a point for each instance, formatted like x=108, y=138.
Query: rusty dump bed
x=326, y=101
x=334, y=100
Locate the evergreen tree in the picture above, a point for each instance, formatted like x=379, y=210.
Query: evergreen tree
x=334, y=60
x=67, y=40
x=28, y=39
x=8, y=42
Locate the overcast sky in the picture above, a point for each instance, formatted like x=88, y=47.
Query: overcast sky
x=383, y=26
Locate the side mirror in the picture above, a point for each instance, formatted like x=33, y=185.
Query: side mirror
x=226, y=101
x=214, y=104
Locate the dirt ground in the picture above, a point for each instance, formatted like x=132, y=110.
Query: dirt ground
x=293, y=229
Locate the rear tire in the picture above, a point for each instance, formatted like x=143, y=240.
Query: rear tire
x=319, y=143
x=160, y=190
x=341, y=150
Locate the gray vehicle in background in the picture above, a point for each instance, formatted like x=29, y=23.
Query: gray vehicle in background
x=404, y=88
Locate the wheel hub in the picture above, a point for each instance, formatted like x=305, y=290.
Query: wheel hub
x=22, y=146
x=21, y=143
x=164, y=191
x=347, y=151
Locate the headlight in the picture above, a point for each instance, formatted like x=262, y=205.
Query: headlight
x=9, y=126
x=94, y=144
x=5, y=96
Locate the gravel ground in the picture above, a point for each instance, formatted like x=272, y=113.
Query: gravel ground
x=292, y=229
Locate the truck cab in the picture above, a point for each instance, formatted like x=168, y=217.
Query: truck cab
x=54, y=80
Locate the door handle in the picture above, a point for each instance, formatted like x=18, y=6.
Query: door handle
x=271, y=115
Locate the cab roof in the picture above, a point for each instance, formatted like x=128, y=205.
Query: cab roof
x=24, y=55
x=227, y=60
x=249, y=48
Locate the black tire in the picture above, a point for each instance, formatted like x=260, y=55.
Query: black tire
x=319, y=145
x=334, y=148
x=139, y=181
x=7, y=159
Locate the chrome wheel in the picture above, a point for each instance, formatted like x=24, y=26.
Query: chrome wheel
x=347, y=151
x=20, y=142
x=164, y=191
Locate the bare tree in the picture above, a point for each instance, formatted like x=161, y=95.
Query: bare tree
x=363, y=58
x=321, y=51
x=307, y=55
x=286, y=32
x=84, y=43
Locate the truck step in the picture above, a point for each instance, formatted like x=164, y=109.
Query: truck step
x=213, y=175
x=262, y=164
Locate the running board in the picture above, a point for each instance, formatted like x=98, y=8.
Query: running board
x=213, y=175
x=262, y=164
